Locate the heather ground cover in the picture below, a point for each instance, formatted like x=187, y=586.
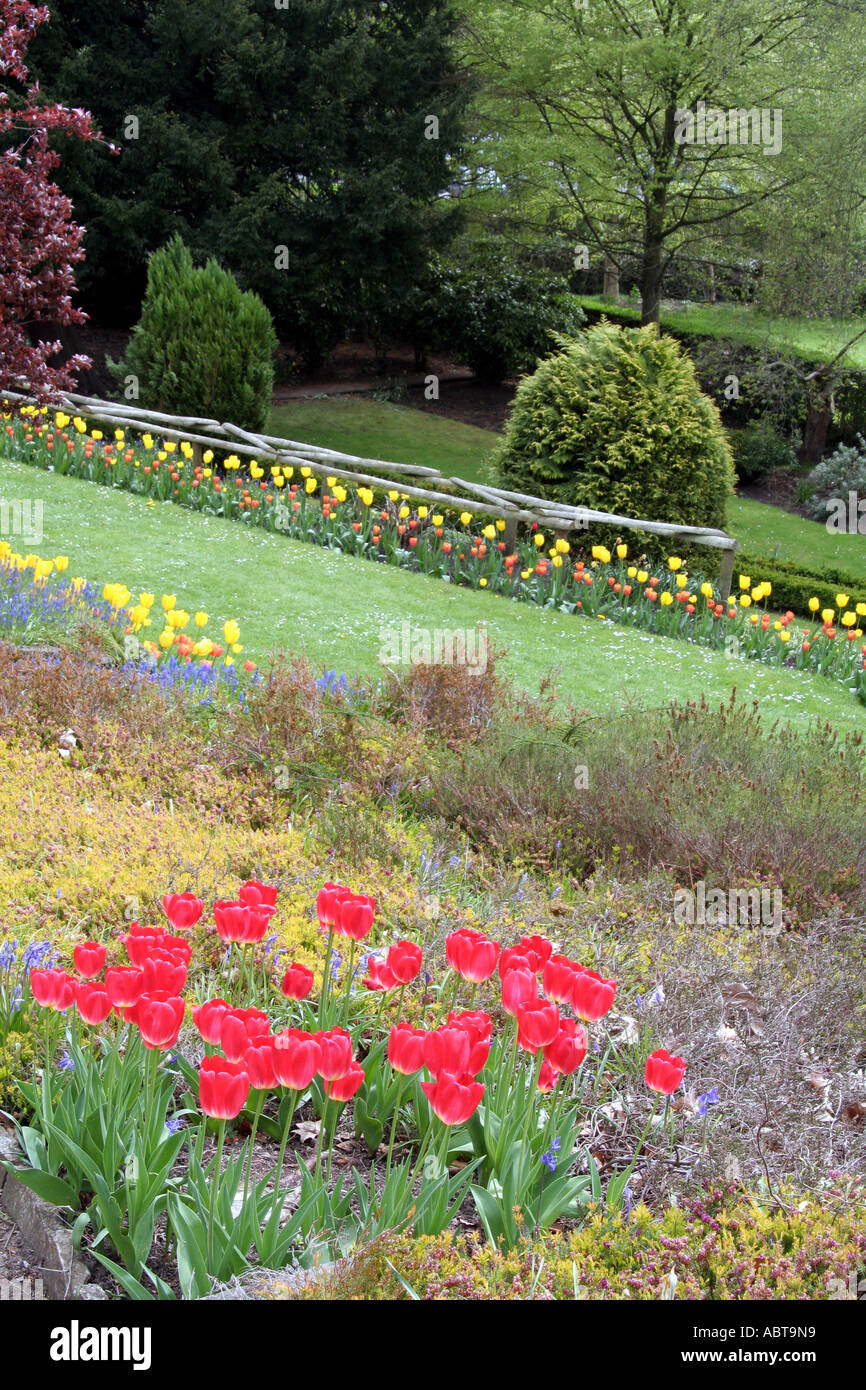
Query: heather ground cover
x=474, y=859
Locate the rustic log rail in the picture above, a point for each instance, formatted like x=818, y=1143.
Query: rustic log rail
x=427, y=484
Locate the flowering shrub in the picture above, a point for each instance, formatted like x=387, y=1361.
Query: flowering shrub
x=724, y=1245
x=506, y=1104
x=656, y=597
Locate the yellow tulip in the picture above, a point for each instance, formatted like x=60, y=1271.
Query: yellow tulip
x=146, y=600
x=166, y=637
x=465, y=518
x=200, y=618
x=860, y=610
x=631, y=571
x=841, y=600
x=682, y=580
x=707, y=589
x=849, y=619
x=310, y=486
x=777, y=626
x=784, y=636
x=666, y=599
x=437, y=519
x=403, y=513
x=482, y=583
x=332, y=482
x=422, y=513
x=489, y=532
x=814, y=604
x=563, y=547
x=539, y=539
x=600, y=552
x=500, y=525
x=231, y=631
x=168, y=602
x=745, y=582
x=207, y=456
x=745, y=601
x=61, y=562
x=675, y=563
x=557, y=561
x=393, y=495
x=642, y=576
x=827, y=614
x=622, y=551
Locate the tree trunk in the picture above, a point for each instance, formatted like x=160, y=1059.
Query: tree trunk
x=818, y=418
x=711, y=291
x=611, y=278
x=651, y=274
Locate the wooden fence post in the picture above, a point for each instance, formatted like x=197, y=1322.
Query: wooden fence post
x=726, y=574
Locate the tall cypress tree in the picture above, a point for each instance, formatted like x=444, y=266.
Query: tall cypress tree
x=292, y=142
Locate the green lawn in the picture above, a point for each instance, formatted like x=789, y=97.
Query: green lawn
x=769, y=531
x=291, y=595
x=819, y=339
x=382, y=430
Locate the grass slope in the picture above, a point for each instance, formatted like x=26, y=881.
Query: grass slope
x=765, y=530
x=333, y=607
x=382, y=430
x=818, y=339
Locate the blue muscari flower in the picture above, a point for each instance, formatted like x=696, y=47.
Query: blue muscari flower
x=708, y=1099
x=7, y=954
x=173, y=1124
x=455, y=861
x=556, y=1145
x=549, y=1161
x=627, y=1198
x=66, y=1062
x=557, y=890
x=638, y=1002
x=16, y=999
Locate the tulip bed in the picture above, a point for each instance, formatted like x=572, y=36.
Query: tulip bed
x=658, y=597
x=454, y=1111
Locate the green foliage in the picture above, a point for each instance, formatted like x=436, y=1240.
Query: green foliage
x=17, y=1060
x=793, y=585
x=616, y=420
x=843, y=472
x=201, y=346
x=263, y=127
x=500, y=316
x=760, y=449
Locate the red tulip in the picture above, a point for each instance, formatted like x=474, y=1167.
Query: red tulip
x=344, y=1087
x=208, y=1019
x=89, y=959
x=516, y=958
x=547, y=1077
x=140, y=943
x=558, y=979
x=159, y=1017
x=258, y=922
x=537, y=1024
x=254, y=894
x=125, y=986
x=480, y=1029
x=163, y=971
x=223, y=1088
x=381, y=976
x=591, y=996
x=406, y=1048
x=404, y=961
x=177, y=946
x=260, y=1062
x=471, y=955
x=296, y=1056
x=539, y=946
x=664, y=1072
x=568, y=1048
x=232, y=920
x=182, y=909
x=355, y=913
x=93, y=1002
x=447, y=1050
x=453, y=1097
x=297, y=982
x=327, y=901
x=518, y=987
x=335, y=1046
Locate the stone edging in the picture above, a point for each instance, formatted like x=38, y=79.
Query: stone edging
x=61, y=1267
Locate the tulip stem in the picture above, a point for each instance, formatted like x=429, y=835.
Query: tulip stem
x=323, y=997
x=400, y=1085
x=349, y=980
x=260, y=1101
x=214, y=1188
x=284, y=1141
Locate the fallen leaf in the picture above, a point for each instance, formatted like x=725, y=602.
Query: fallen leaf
x=308, y=1130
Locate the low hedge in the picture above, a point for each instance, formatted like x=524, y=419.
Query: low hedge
x=793, y=585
